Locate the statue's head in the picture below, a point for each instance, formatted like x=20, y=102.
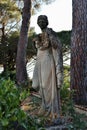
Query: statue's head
x=42, y=21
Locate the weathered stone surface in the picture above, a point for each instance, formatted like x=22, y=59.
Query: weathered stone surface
x=48, y=71
x=56, y=128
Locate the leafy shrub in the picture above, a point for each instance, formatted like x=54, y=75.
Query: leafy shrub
x=10, y=74
x=65, y=89
x=75, y=121
x=11, y=116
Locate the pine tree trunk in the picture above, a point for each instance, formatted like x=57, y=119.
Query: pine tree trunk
x=21, y=73
x=3, y=41
x=79, y=52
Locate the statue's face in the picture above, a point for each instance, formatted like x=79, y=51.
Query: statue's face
x=42, y=23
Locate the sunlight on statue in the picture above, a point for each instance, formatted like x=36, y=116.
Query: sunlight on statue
x=48, y=71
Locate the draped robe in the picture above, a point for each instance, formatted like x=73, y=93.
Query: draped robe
x=48, y=71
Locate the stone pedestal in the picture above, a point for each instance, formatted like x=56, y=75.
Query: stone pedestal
x=60, y=127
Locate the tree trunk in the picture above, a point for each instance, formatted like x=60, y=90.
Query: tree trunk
x=21, y=72
x=3, y=42
x=79, y=52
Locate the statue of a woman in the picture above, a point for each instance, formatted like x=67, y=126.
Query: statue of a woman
x=48, y=71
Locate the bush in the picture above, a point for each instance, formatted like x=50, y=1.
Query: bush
x=75, y=121
x=11, y=116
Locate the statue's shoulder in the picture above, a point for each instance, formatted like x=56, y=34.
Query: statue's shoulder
x=54, y=36
x=51, y=31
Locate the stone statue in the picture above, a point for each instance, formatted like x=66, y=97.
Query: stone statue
x=48, y=71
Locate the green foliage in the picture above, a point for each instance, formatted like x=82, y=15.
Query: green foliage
x=11, y=115
x=9, y=104
x=9, y=17
x=65, y=97
x=75, y=120
x=8, y=51
x=31, y=50
x=65, y=37
x=65, y=90
x=9, y=11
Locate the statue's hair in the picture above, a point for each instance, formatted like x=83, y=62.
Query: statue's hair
x=43, y=17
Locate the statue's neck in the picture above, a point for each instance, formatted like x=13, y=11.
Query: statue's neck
x=44, y=30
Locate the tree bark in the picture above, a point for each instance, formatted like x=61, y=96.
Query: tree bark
x=21, y=72
x=79, y=52
x=3, y=42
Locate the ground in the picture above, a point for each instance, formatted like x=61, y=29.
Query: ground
x=32, y=106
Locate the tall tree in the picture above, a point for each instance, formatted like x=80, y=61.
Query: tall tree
x=21, y=73
x=9, y=15
x=79, y=51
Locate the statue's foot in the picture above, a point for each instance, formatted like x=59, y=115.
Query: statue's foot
x=58, y=121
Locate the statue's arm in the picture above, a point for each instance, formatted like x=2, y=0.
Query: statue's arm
x=58, y=59
x=59, y=68
x=53, y=38
x=54, y=42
